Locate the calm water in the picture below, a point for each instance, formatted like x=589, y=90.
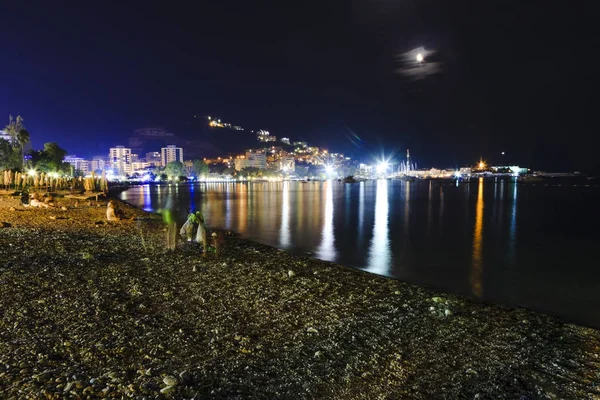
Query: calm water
x=533, y=246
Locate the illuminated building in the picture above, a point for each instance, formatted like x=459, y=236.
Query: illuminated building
x=287, y=164
x=78, y=163
x=252, y=159
x=139, y=165
x=153, y=158
x=265, y=136
x=170, y=153
x=120, y=158
x=285, y=140
x=99, y=163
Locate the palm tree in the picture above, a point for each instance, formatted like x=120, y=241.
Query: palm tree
x=22, y=140
x=18, y=135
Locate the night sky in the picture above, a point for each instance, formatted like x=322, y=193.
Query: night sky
x=509, y=76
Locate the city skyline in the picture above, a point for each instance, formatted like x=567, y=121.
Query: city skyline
x=445, y=80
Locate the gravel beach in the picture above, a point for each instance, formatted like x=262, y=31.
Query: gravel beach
x=91, y=309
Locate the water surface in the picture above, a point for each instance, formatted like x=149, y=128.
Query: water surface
x=529, y=245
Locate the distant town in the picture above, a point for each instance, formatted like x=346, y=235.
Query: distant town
x=148, y=157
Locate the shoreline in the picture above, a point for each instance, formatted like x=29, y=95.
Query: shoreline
x=103, y=310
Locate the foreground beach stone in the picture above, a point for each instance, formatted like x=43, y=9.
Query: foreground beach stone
x=104, y=311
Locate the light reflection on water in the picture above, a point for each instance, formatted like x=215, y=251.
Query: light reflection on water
x=433, y=233
x=326, y=249
x=379, y=250
x=478, y=244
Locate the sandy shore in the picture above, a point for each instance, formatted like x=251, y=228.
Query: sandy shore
x=92, y=309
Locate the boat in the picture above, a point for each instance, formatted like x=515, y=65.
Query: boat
x=350, y=179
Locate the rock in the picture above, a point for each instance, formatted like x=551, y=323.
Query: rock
x=437, y=299
x=312, y=330
x=185, y=376
x=68, y=387
x=167, y=390
x=397, y=292
x=12, y=209
x=5, y=225
x=447, y=312
x=318, y=354
x=52, y=217
x=170, y=380
x=63, y=208
x=291, y=273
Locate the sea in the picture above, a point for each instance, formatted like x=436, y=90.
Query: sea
x=533, y=245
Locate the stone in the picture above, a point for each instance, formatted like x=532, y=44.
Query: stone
x=185, y=376
x=312, y=330
x=68, y=387
x=447, y=312
x=170, y=380
x=63, y=208
x=167, y=389
x=291, y=273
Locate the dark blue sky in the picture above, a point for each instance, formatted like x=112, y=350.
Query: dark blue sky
x=513, y=77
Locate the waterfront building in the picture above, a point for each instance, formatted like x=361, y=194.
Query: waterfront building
x=120, y=158
x=153, y=158
x=99, y=164
x=78, y=163
x=287, y=164
x=252, y=159
x=137, y=166
x=170, y=153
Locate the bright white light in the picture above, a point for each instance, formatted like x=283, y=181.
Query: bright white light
x=31, y=172
x=382, y=167
x=420, y=57
x=55, y=174
x=329, y=169
x=457, y=174
x=502, y=153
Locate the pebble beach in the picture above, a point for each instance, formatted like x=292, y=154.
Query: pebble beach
x=98, y=309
